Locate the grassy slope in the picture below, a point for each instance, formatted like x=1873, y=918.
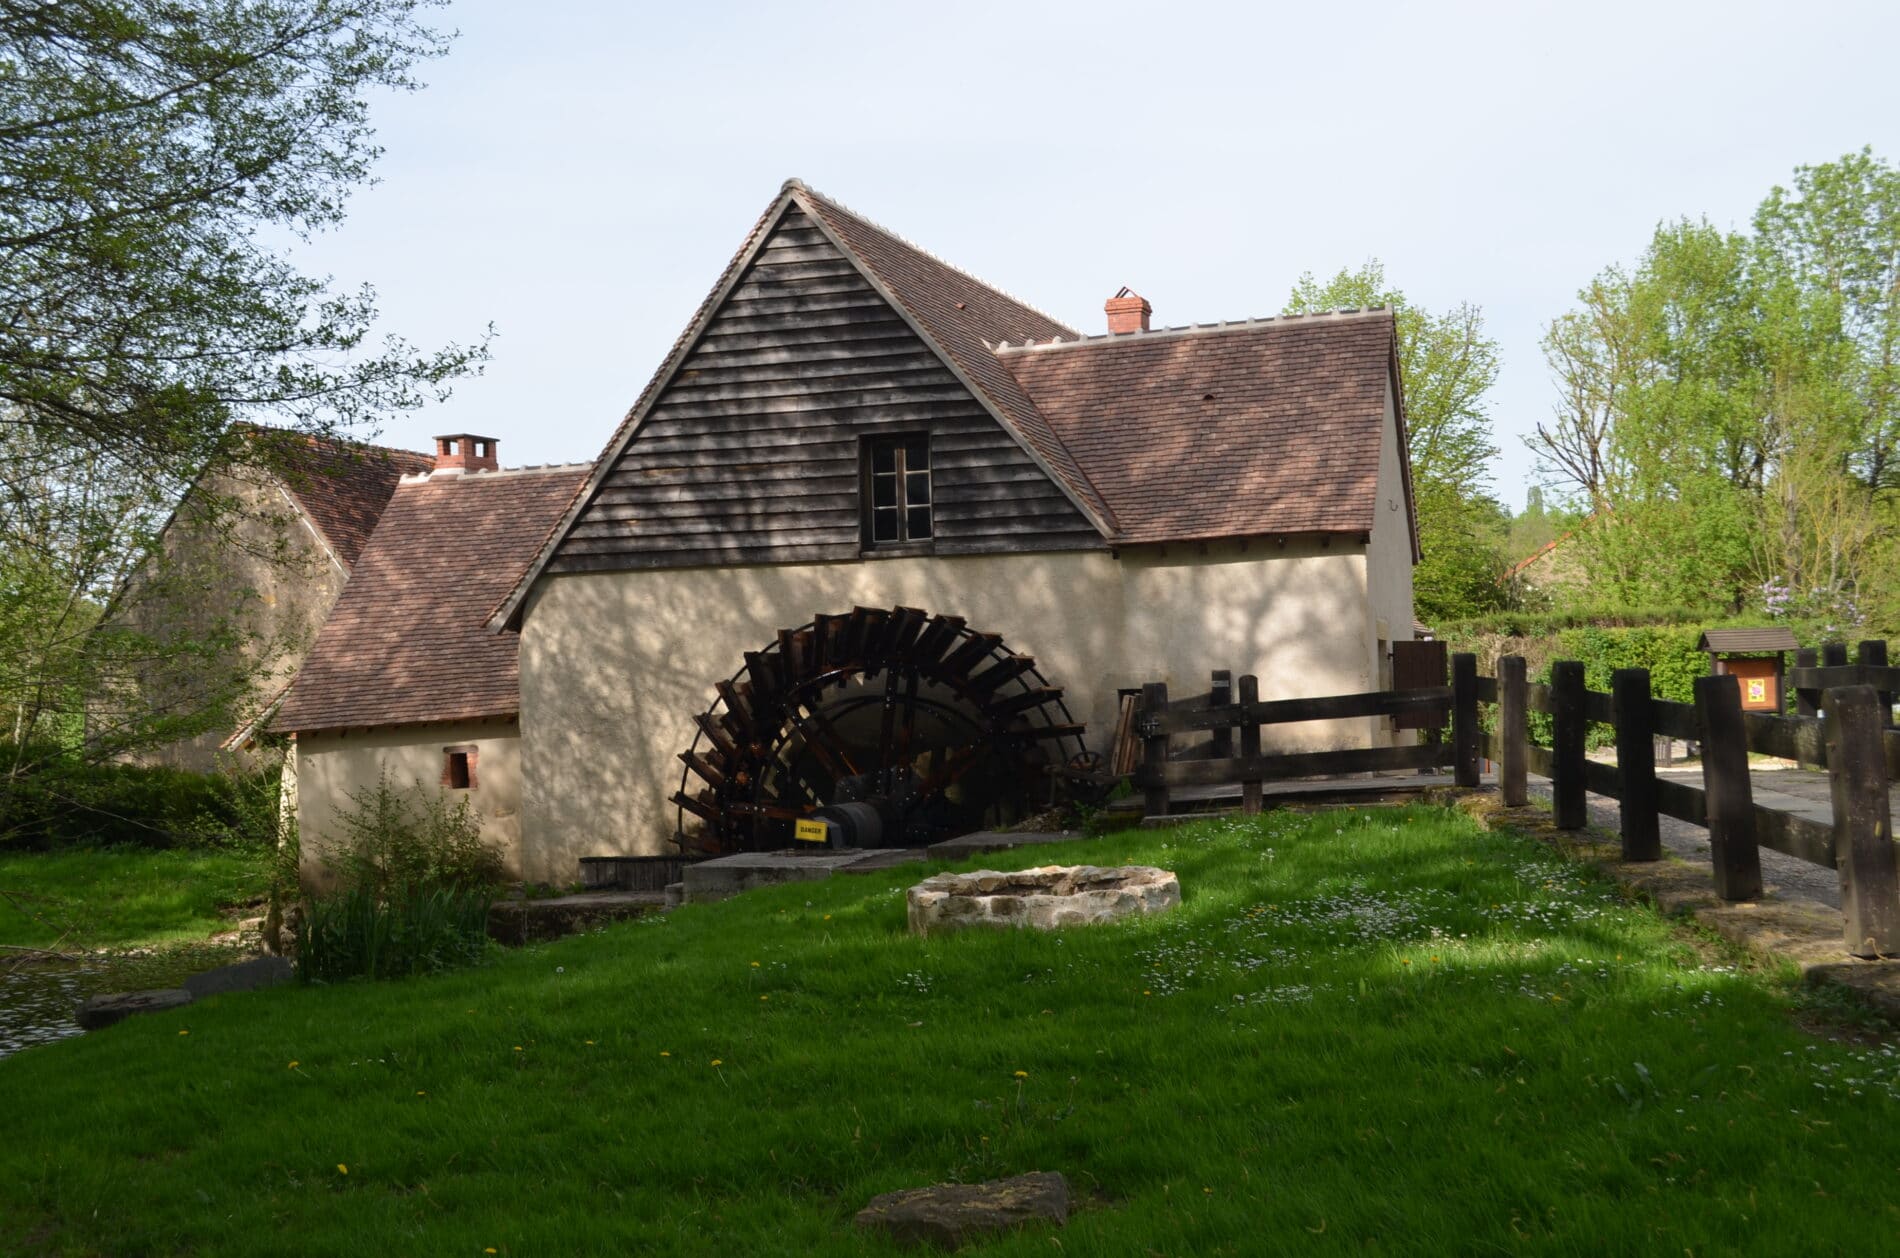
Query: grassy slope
x=1382, y=1033
x=115, y=897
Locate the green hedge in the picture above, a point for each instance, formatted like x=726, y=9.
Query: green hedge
x=57, y=803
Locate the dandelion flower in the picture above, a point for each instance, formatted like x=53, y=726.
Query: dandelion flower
x=590, y=1041
x=827, y=917
x=717, y=1062
x=1022, y=1074
x=517, y=1048
x=664, y=1053
x=755, y=965
x=342, y=1169
x=184, y=1032
x=489, y=1249
x=765, y=998
x=292, y=1066
x=422, y=1094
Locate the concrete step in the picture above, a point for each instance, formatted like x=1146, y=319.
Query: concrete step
x=529, y=921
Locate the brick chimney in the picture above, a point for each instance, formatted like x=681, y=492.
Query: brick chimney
x=1128, y=311
x=462, y=452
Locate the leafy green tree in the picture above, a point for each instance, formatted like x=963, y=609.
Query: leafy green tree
x=159, y=164
x=149, y=152
x=1448, y=365
x=1730, y=406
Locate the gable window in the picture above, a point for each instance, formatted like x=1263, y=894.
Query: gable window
x=896, y=504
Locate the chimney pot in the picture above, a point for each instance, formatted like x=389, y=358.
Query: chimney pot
x=463, y=452
x=1128, y=311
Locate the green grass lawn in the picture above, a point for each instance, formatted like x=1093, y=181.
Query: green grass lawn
x=119, y=896
x=1373, y=1032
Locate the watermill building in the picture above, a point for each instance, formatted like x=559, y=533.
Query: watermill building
x=875, y=530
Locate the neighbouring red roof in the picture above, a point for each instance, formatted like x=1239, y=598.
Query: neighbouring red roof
x=407, y=642
x=1268, y=426
x=341, y=486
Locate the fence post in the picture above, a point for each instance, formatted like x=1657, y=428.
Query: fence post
x=1833, y=654
x=1154, y=749
x=1731, y=797
x=1873, y=654
x=1804, y=704
x=1567, y=738
x=1464, y=719
x=1636, y=763
x=1863, y=826
x=1250, y=747
x=1220, y=694
x=1513, y=731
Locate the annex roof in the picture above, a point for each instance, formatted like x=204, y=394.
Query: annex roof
x=407, y=642
x=340, y=486
x=1224, y=430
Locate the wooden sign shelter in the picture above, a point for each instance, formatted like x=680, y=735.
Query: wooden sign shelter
x=1756, y=658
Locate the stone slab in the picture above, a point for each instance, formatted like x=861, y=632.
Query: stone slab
x=884, y=858
x=530, y=921
x=951, y=1215
x=727, y=876
x=103, y=1011
x=965, y=846
x=245, y=976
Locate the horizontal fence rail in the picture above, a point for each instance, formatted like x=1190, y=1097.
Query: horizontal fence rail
x=1225, y=714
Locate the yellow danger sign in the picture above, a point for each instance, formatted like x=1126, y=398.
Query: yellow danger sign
x=810, y=831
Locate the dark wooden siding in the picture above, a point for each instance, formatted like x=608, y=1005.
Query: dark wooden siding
x=750, y=454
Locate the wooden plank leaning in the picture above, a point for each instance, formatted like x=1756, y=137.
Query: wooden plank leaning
x=1154, y=750
x=1567, y=742
x=1863, y=822
x=1249, y=746
x=1725, y=783
x=1464, y=719
x=1513, y=731
x=1636, y=764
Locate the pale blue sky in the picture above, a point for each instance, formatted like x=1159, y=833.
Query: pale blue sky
x=580, y=173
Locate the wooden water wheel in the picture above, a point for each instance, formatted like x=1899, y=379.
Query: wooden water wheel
x=893, y=726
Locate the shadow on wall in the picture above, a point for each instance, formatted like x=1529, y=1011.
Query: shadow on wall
x=614, y=666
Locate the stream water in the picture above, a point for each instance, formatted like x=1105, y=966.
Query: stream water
x=37, y=998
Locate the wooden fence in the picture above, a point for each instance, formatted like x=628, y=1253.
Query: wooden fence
x=1226, y=714
x=1852, y=739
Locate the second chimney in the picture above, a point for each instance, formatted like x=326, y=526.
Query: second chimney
x=1128, y=311
x=462, y=452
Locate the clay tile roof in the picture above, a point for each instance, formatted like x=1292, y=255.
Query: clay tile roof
x=965, y=317
x=341, y=486
x=407, y=641
x=1268, y=426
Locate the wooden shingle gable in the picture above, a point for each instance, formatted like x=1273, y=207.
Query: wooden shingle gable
x=746, y=449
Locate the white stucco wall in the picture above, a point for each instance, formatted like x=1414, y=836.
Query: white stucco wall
x=1389, y=556
x=328, y=767
x=615, y=665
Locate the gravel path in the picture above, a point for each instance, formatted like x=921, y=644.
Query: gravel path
x=1794, y=879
